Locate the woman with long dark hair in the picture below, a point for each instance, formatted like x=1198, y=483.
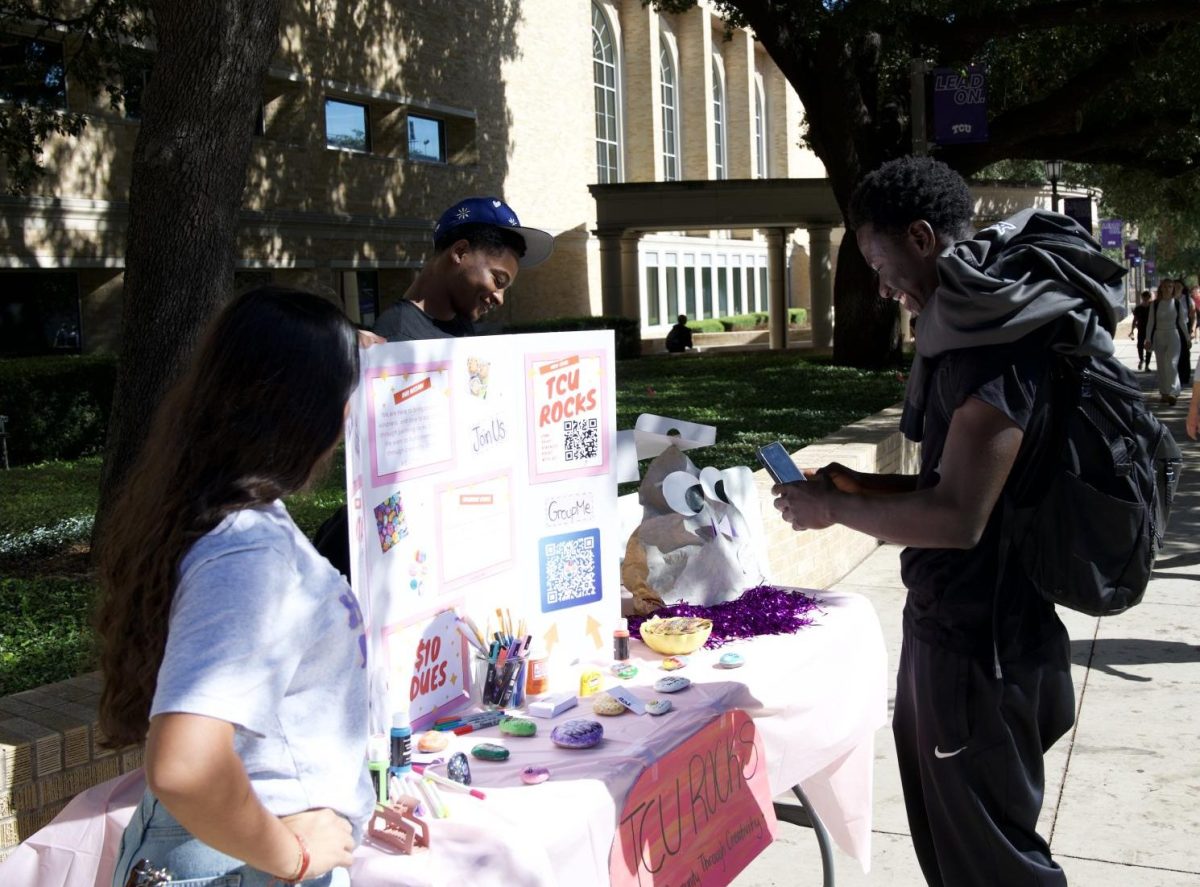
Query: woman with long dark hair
x=1166, y=331
x=228, y=644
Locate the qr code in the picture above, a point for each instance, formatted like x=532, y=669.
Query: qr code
x=569, y=570
x=581, y=439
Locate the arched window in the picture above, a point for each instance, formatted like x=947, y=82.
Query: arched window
x=604, y=81
x=670, y=112
x=720, y=155
x=760, y=129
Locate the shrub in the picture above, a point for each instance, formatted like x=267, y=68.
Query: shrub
x=628, y=330
x=708, y=325
x=57, y=407
x=45, y=633
x=798, y=316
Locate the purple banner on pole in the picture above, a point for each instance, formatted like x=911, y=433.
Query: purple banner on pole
x=959, y=106
x=1151, y=265
x=1133, y=249
x=1110, y=233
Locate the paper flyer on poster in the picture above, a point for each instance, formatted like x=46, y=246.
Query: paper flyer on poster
x=480, y=476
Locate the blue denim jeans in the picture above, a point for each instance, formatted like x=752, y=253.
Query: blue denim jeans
x=154, y=834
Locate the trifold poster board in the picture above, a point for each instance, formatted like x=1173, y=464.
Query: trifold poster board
x=480, y=475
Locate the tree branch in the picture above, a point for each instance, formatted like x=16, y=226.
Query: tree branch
x=964, y=35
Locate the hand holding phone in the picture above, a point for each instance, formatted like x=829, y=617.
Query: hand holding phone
x=779, y=464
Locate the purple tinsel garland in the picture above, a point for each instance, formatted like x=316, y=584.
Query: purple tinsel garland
x=764, y=609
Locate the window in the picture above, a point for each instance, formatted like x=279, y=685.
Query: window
x=368, y=296
x=706, y=285
x=346, y=126
x=426, y=138
x=652, y=295
x=720, y=160
x=760, y=130
x=39, y=313
x=32, y=72
x=736, y=271
x=672, y=291
x=670, y=114
x=604, y=81
x=135, y=72
x=689, y=290
x=751, y=294
x=722, y=287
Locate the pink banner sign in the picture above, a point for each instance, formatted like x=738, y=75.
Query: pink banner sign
x=700, y=814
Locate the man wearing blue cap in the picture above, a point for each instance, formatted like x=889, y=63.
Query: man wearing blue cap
x=479, y=246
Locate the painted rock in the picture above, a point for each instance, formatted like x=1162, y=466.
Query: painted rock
x=624, y=670
x=534, y=775
x=577, y=733
x=674, y=663
x=607, y=705
x=432, y=741
x=731, y=660
x=658, y=706
x=518, y=727
x=489, y=751
x=672, y=683
x=459, y=768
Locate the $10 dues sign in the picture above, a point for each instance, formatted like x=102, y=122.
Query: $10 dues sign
x=700, y=814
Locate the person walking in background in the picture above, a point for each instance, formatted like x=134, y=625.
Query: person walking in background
x=1141, y=315
x=1185, y=342
x=1166, y=330
x=227, y=643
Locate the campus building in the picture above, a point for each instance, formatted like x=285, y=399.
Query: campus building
x=376, y=116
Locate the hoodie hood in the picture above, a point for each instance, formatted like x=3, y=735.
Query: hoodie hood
x=1032, y=269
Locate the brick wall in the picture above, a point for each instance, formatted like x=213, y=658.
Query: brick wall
x=49, y=752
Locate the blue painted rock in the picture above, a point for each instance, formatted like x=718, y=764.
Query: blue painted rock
x=534, y=775
x=658, y=707
x=459, y=768
x=731, y=660
x=489, y=751
x=577, y=733
x=624, y=670
x=518, y=727
x=672, y=683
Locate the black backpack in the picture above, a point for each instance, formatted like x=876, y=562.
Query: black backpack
x=1087, y=519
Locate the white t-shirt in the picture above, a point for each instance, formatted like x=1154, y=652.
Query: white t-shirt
x=266, y=635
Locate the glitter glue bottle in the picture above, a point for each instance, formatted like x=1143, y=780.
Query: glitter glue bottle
x=621, y=641
x=401, y=736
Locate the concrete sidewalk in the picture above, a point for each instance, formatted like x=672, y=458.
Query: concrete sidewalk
x=1122, y=802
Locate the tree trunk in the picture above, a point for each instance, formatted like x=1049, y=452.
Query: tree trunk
x=189, y=172
x=867, y=334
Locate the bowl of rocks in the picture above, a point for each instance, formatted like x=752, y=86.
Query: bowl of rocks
x=676, y=635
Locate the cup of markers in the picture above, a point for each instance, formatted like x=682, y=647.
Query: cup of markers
x=498, y=662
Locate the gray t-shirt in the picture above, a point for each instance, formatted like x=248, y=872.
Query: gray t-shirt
x=266, y=635
x=405, y=322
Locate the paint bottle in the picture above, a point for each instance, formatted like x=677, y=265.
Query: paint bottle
x=537, y=673
x=621, y=641
x=377, y=763
x=401, y=736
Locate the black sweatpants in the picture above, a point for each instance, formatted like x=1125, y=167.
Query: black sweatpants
x=970, y=750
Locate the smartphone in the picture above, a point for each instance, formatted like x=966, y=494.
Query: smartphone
x=779, y=464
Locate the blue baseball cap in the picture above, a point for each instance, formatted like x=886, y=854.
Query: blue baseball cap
x=494, y=211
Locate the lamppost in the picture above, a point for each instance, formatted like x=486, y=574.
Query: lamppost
x=1054, y=173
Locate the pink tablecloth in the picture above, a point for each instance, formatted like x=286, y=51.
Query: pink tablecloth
x=817, y=698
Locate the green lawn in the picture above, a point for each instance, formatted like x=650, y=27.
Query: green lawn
x=46, y=510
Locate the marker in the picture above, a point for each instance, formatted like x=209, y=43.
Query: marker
x=454, y=786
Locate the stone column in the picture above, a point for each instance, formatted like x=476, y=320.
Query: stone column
x=693, y=31
x=631, y=303
x=610, y=273
x=738, y=55
x=820, y=282
x=777, y=287
x=642, y=132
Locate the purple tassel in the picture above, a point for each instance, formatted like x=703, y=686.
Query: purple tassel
x=765, y=609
